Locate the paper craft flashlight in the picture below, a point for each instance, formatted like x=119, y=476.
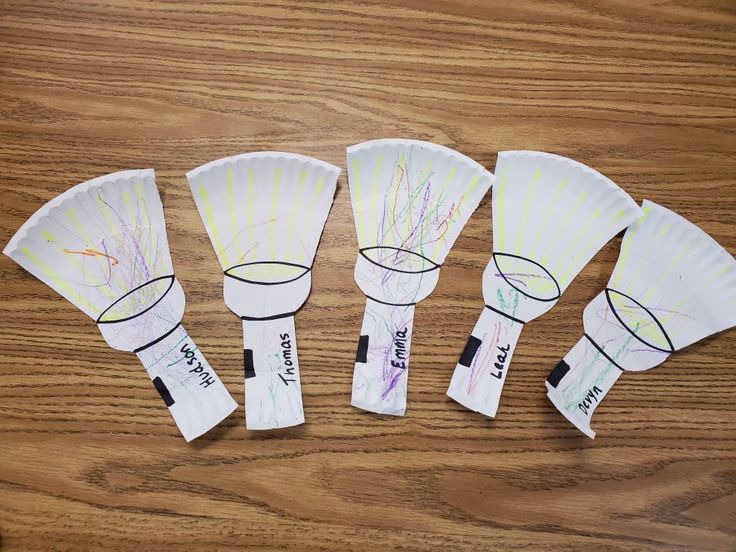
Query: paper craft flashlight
x=102, y=245
x=410, y=199
x=264, y=213
x=672, y=285
x=550, y=216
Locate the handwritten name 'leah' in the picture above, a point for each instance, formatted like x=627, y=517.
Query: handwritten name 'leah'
x=502, y=354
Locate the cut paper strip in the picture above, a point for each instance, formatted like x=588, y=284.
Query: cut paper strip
x=102, y=245
x=410, y=199
x=550, y=216
x=672, y=285
x=264, y=213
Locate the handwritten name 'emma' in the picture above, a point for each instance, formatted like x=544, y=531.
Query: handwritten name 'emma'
x=286, y=358
x=199, y=370
x=502, y=354
x=399, y=349
x=587, y=402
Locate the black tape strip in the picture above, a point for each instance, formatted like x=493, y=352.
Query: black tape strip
x=250, y=369
x=160, y=386
x=362, y=354
x=471, y=347
x=556, y=375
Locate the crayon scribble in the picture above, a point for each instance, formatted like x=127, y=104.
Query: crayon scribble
x=93, y=253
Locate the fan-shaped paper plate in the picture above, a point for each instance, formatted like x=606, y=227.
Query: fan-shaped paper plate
x=550, y=216
x=672, y=285
x=412, y=196
x=103, y=246
x=98, y=242
x=672, y=270
x=264, y=211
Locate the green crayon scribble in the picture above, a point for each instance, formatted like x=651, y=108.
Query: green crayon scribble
x=571, y=394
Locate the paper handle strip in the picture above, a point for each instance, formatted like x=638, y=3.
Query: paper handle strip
x=481, y=371
x=273, y=392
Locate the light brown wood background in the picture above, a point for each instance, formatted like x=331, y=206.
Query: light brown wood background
x=89, y=457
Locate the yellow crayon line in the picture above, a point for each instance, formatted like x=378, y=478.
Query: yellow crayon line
x=525, y=210
x=693, y=294
x=595, y=240
x=72, y=215
x=250, y=203
x=128, y=204
x=148, y=252
x=72, y=293
x=358, y=197
x=390, y=232
x=411, y=189
x=651, y=244
x=272, y=221
x=106, y=213
x=469, y=192
x=139, y=192
x=310, y=214
x=230, y=187
x=499, y=211
x=562, y=225
x=624, y=255
x=583, y=251
x=600, y=235
x=449, y=178
x=211, y=223
x=293, y=215
x=76, y=263
x=393, y=237
x=373, y=215
x=453, y=218
x=542, y=229
x=439, y=196
x=679, y=256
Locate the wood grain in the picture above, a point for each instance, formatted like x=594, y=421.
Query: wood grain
x=90, y=460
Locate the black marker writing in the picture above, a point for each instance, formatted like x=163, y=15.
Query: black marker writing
x=587, y=401
x=503, y=353
x=400, y=349
x=191, y=359
x=286, y=350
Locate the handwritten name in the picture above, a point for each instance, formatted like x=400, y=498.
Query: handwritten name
x=288, y=363
x=587, y=401
x=501, y=356
x=400, y=339
x=199, y=370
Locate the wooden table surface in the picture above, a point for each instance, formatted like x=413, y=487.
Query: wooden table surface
x=89, y=457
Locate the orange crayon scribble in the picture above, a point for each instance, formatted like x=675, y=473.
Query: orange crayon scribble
x=93, y=253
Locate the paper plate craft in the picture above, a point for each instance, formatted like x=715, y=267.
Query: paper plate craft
x=264, y=213
x=102, y=245
x=550, y=216
x=672, y=285
x=410, y=199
